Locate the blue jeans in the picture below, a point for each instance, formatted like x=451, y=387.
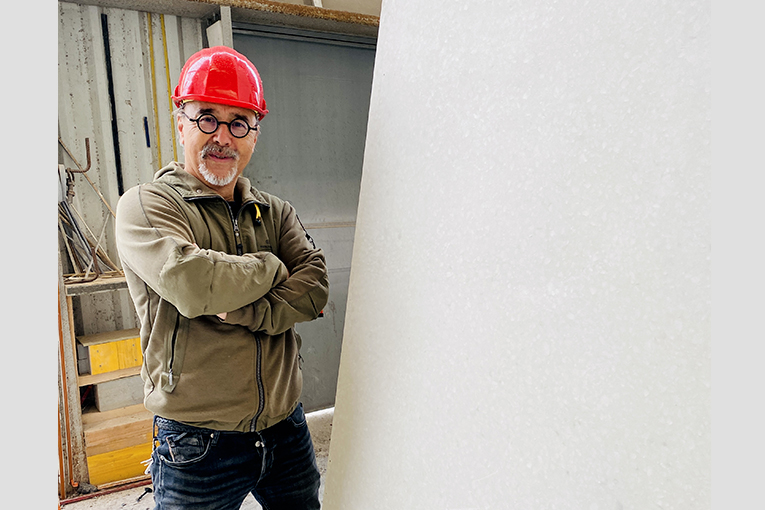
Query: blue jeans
x=204, y=469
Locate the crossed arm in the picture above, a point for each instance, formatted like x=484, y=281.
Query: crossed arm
x=298, y=298
x=259, y=291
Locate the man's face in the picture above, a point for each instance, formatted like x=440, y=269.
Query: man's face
x=217, y=159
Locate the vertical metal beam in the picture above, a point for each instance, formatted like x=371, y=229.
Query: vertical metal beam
x=115, y=133
x=220, y=33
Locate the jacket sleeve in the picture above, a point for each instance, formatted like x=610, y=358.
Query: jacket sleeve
x=155, y=241
x=299, y=298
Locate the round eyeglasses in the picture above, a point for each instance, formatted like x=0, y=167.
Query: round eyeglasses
x=208, y=124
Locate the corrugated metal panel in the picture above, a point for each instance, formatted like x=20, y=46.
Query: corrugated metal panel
x=323, y=338
x=310, y=153
x=139, y=75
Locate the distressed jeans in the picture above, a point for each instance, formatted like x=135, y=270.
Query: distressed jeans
x=204, y=469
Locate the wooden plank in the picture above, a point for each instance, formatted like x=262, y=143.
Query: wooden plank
x=122, y=392
x=86, y=380
x=125, y=483
x=101, y=284
x=119, y=464
x=117, y=418
x=92, y=417
x=134, y=434
x=119, y=433
x=109, y=336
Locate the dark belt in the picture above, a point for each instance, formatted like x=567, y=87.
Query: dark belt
x=176, y=426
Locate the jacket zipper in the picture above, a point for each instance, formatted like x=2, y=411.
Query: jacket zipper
x=240, y=251
x=235, y=223
x=172, y=350
x=258, y=346
x=234, y=218
x=259, y=380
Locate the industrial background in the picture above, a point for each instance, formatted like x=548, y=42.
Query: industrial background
x=118, y=63
x=538, y=336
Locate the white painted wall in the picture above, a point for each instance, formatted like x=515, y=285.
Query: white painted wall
x=528, y=321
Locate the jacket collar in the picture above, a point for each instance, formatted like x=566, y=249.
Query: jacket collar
x=190, y=187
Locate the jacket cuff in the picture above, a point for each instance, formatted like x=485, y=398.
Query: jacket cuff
x=234, y=316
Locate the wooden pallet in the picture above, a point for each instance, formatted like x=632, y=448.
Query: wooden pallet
x=118, y=432
x=118, y=443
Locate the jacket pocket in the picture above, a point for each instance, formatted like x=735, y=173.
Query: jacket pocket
x=299, y=342
x=174, y=349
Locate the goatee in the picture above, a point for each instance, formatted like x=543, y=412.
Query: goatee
x=211, y=178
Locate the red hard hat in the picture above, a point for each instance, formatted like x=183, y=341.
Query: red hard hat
x=221, y=75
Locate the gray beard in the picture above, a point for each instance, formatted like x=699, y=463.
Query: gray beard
x=216, y=180
x=210, y=177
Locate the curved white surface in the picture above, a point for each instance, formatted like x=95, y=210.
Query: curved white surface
x=528, y=319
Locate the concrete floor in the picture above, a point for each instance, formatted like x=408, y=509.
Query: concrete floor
x=319, y=423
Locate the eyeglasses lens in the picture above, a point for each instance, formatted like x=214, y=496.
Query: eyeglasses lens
x=207, y=124
x=239, y=128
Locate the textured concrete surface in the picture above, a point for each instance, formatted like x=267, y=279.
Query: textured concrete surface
x=319, y=423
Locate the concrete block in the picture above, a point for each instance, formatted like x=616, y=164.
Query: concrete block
x=123, y=392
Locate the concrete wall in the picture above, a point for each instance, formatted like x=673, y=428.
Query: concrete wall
x=529, y=307
x=146, y=50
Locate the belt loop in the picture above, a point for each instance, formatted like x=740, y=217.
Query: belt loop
x=154, y=432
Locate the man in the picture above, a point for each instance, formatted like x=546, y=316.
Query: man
x=219, y=273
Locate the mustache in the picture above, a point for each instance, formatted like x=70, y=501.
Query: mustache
x=218, y=150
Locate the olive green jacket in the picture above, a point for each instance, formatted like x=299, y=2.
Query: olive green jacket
x=187, y=258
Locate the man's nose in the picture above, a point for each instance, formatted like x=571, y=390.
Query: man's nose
x=223, y=135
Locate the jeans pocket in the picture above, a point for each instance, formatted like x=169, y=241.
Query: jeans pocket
x=297, y=418
x=183, y=448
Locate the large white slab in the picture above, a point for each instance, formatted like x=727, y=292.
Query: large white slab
x=528, y=319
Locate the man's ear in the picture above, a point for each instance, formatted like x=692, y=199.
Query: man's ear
x=180, y=129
